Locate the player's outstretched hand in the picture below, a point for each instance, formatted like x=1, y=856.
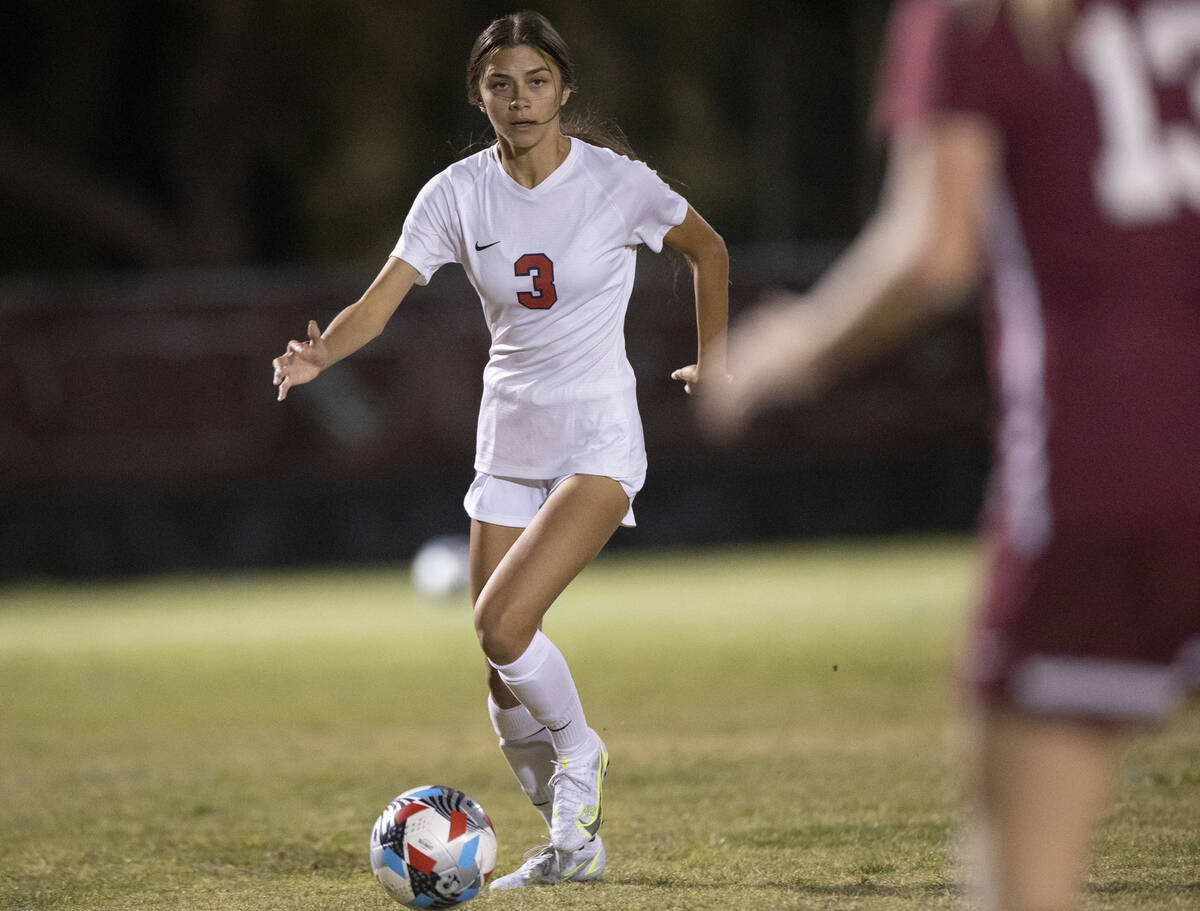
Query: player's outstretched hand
x=301, y=362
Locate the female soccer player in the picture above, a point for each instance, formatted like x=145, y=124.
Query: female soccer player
x=1057, y=142
x=546, y=226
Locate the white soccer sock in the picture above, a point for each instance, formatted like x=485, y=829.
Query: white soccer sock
x=542, y=682
x=529, y=750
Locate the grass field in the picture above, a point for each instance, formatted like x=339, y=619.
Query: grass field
x=780, y=723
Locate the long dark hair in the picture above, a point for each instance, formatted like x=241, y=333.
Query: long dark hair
x=527, y=27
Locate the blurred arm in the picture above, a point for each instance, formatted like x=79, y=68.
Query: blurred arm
x=922, y=249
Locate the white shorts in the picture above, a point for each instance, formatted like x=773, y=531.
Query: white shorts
x=515, y=501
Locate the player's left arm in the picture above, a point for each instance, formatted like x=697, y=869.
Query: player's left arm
x=704, y=250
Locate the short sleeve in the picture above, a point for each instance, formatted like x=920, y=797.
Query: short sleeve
x=427, y=240
x=649, y=207
x=944, y=56
x=978, y=66
x=909, y=74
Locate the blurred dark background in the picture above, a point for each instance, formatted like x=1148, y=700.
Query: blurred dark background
x=184, y=184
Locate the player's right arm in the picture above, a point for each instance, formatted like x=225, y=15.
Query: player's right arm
x=362, y=321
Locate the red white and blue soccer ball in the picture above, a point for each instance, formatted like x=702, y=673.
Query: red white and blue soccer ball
x=433, y=847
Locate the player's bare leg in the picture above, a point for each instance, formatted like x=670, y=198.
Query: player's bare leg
x=515, y=577
x=1041, y=785
x=489, y=545
x=567, y=533
x=525, y=743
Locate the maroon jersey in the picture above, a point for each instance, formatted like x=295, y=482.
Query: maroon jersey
x=1094, y=323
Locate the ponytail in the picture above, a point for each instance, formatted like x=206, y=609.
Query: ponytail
x=598, y=131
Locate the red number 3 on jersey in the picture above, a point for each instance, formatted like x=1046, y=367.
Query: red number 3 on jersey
x=544, y=294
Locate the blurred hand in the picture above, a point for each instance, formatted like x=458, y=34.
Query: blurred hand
x=301, y=362
x=772, y=353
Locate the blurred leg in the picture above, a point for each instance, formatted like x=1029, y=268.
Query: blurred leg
x=1041, y=786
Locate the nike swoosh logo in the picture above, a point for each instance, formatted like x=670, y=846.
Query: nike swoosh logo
x=575, y=869
x=478, y=246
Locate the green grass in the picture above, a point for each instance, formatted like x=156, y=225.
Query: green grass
x=780, y=723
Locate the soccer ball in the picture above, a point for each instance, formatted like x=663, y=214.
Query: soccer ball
x=440, y=568
x=433, y=847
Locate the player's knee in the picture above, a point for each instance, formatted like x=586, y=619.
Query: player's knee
x=498, y=635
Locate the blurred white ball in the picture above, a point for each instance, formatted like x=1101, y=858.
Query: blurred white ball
x=440, y=567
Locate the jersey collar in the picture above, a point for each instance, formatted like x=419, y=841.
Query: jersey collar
x=557, y=176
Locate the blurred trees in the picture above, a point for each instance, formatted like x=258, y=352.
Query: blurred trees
x=154, y=133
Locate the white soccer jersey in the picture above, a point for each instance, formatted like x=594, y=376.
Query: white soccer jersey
x=553, y=267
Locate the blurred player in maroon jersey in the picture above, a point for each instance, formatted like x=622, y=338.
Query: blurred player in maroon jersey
x=1054, y=146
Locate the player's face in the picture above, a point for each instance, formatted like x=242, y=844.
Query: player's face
x=522, y=92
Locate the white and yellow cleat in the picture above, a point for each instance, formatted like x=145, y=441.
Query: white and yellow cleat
x=578, y=806
x=542, y=867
